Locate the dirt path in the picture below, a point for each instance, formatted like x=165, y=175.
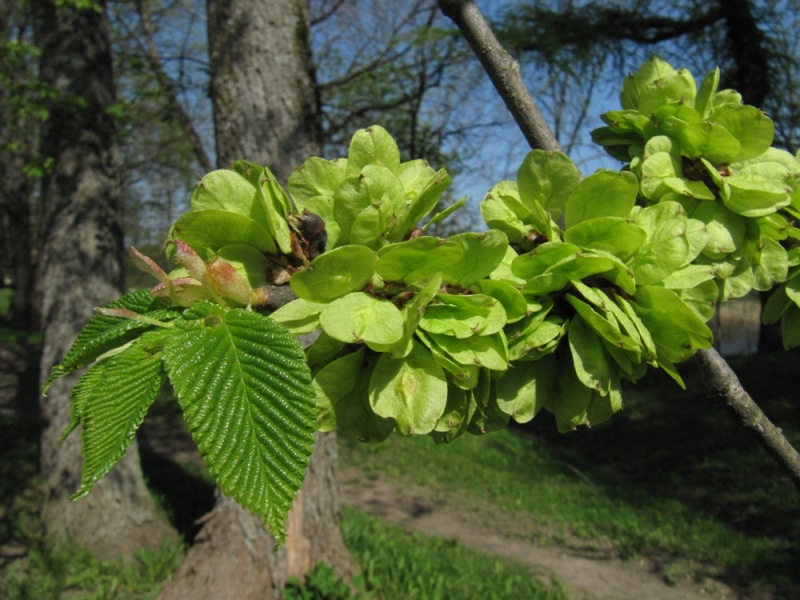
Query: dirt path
x=587, y=578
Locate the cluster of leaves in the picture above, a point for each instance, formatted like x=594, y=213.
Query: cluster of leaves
x=578, y=285
x=702, y=148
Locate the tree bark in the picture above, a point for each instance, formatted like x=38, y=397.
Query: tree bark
x=265, y=111
x=82, y=267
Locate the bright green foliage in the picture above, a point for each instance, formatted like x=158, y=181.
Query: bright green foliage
x=578, y=285
x=701, y=147
x=240, y=378
x=248, y=406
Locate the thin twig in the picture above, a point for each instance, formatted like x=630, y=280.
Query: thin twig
x=504, y=72
x=720, y=379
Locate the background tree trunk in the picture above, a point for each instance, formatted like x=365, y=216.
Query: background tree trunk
x=82, y=267
x=265, y=111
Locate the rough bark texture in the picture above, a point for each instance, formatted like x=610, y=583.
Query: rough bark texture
x=263, y=88
x=81, y=267
x=265, y=111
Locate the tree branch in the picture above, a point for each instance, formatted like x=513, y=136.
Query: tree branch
x=504, y=73
x=503, y=70
x=722, y=381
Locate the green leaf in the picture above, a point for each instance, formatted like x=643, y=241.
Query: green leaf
x=677, y=331
x=614, y=235
x=487, y=415
x=541, y=258
x=417, y=259
x=603, y=406
x=298, y=316
x=489, y=351
x=463, y=316
x=366, y=208
x=790, y=327
x=526, y=388
x=503, y=210
x=656, y=83
x=275, y=202
x=246, y=394
x=752, y=128
x=248, y=262
x=110, y=402
x=206, y=231
x=509, y=296
x=334, y=274
x=342, y=389
x=372, y=146
x=702, y=298
x=667, y=247
x=570, y=403
x=480, y=255
x=602, y=194
x=755, y=196
x=412, y=313
x=463, y=376
x=777, y=304
x=546, y=180
x=588, y=356
x=411, y=390
x=316, y=177
x=772, y=267
x=689, y=276
x=442, y=215
x=538, y=339
x=457, y=413
x=605, y=325
x=702, y=102
x=360, y=317
x=230, y=191
x=422, y=193
x=104, y=333
x=724, y=227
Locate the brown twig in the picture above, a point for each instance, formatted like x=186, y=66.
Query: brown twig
x=504, y=72
x=722, y=381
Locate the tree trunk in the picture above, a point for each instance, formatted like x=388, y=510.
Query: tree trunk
x=82, y=267
x=265, y=111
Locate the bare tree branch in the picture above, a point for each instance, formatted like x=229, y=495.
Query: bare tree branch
x=503, y=70
x=168, y=87
x=720, y=379
x=504, y=73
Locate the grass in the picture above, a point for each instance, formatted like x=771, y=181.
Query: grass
x=672, y=479
x=67, y=571
x=411, y=566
